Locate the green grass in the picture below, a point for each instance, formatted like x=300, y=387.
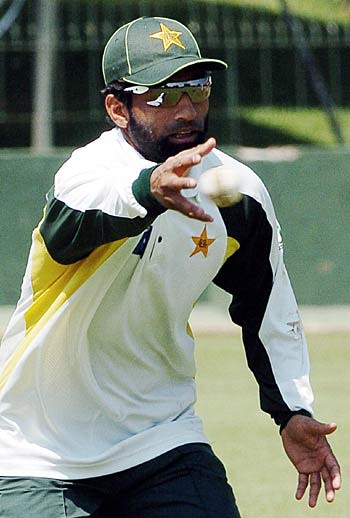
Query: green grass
x=248, y=441
x=321, y=10
x=318, y=10
x=308, y=125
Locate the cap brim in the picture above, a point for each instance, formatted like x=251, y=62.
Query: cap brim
x=160, y=72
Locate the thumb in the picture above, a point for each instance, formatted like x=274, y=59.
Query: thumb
x=323, y=428
x=330, y=427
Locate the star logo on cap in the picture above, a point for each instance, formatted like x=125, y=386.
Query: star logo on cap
x=168, y=37
x=202, y=243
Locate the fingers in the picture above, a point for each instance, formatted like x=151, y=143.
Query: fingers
x=315, y=487
x=196, y=212
x=199, y=151
x=336, y=480
x=181, y=163
x=322, y=428
x=166, y=188
x=331, y=478
x=331, y=472
x=183, y=205
x=303, y=481
x=332, y=482
x=207, y=146
x=314, y=480
x=305, y=442
x=176, y=183
x=330, y=428
x=170, y=178
x=328, y=485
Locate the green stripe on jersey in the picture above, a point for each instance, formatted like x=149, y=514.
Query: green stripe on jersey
x=70, y=234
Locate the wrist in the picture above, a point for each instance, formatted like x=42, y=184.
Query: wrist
x=284, y=420
x=141, y=189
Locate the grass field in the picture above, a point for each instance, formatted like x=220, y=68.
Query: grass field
x=248, y=441
x=307, y=125
x=321, y=10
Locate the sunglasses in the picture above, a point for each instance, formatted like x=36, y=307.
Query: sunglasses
x=170, y=94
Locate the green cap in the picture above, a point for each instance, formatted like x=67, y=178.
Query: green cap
x=147, y=51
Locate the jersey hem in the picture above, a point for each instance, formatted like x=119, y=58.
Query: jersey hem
x=105, y=468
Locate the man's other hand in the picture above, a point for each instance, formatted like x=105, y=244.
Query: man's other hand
x=304, y=440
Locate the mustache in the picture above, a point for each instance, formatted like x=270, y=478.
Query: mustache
x=178, y=126
x=161, y=148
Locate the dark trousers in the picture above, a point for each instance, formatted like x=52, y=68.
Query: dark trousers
x=187, y=482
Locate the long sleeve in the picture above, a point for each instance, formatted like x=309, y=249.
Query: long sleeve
x=94, y=202
x=264, y=305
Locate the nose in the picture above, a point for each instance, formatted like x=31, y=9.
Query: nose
x=185, y=109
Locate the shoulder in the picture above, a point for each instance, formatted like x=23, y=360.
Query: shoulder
x=97, y=152
x=109, y=160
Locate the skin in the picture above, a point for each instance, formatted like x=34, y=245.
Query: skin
x=304, y=440
x=183, y=127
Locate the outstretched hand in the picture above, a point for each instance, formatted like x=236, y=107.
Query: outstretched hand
x=304, y=440
x=171, y=177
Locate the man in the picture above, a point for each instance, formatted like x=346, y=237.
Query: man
x=97, y=368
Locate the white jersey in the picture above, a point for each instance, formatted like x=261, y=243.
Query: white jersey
x=97, y=369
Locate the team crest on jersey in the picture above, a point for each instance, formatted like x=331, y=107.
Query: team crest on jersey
x=202, y=243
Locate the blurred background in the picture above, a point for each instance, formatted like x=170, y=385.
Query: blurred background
x=283, y=107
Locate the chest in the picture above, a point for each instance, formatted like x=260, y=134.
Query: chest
x=180, y=252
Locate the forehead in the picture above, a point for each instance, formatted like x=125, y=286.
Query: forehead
x=193, y=72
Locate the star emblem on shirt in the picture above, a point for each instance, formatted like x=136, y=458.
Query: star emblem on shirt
x=168, y=37
x=202, y=243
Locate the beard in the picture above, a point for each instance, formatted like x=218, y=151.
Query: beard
x=158, y=151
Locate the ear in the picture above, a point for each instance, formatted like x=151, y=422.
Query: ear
x=117, y=111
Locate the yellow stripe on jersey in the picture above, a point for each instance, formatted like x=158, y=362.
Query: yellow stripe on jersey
x=189, y=330
x=231, y=247
x=53, y=284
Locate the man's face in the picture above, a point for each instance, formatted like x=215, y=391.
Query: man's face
x=160, y=132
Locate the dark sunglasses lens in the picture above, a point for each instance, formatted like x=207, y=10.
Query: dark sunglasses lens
x=199, y=94
x=171, y=96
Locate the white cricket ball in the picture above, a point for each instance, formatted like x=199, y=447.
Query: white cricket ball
x=221, y=185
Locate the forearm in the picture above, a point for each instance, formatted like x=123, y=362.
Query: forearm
x=264, y=305
x=72, y=233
